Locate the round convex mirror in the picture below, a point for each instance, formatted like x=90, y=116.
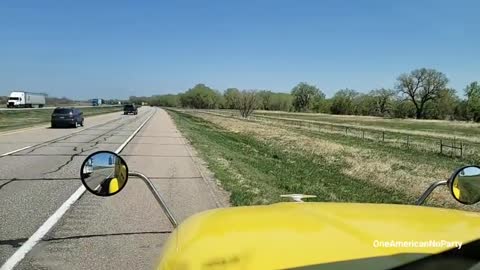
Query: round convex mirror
x=104, y=173
x=465, y=185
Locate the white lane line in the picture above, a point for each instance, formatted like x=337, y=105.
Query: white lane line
x=21, y=252
x=38, y=144
x=15, y=151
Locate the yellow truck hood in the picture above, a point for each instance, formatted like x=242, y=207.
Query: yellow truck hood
x=288, y=235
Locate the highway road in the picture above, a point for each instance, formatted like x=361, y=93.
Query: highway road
x=41, y=197
x=50, y=107
x=98, y=175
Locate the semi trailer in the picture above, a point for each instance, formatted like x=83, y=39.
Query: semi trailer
x=21, y=99
x=97, y=101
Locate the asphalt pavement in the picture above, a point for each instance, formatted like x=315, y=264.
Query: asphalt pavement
x=98, y=175
x=124, y=231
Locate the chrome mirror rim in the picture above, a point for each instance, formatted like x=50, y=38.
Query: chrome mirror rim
x=83, y=178
x=452, y=178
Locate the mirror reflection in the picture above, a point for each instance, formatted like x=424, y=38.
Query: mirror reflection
x=104, y=173
x=466, y=185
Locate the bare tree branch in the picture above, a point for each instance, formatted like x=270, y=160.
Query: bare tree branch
x=421, y=86
x=247, y=102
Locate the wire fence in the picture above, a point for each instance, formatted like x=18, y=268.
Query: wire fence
x=452, y=147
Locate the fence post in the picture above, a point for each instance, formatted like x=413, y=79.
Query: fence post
x=383, y=136
x=454, y=148
x=408, y=141
x=363, y=134
x=441, y=146
x=461, y=149
x=346, y=130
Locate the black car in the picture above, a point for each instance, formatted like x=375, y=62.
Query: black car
x=130, y=108
x=67, y=117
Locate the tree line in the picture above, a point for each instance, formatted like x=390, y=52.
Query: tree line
x=422, y=94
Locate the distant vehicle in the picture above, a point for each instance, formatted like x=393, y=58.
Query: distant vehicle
x=20, y=99
x=88, y=169
x=130, y=108
x=67, y=117
x=97, y=101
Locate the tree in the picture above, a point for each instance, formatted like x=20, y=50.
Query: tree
x=323, y=106
x=443, y=107
x=342, y=102
x=472, y=91
x=200, y=97
x=303, y=95
x=164, y=100
x=403, y=108
x=383, y=101
x=363, y=104
x=231, y=96
x=421, y=86
x=247, y=102
x=281, y=102
x=461, y=111
x=265, y=99
x=320, y=104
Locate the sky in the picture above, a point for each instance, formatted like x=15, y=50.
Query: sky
x=115, y=49
x=103, y=159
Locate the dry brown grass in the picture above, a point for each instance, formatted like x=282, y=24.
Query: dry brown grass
x=398, y=139
x=361, y=118
x=438, y=135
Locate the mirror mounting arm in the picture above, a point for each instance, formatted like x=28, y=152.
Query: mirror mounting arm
x=429, y=190
x=157, y=196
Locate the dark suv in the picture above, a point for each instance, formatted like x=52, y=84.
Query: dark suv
x=130, y=108
x=67, y=117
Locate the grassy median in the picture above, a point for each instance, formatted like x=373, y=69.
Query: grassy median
x=258, y=171
x=14, y=119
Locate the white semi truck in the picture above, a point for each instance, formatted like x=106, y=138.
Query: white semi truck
x=18, y=99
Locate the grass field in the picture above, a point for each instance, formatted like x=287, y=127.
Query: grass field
x=257, y=163
x=466, y=147
x=441, y=128
x=13, y=119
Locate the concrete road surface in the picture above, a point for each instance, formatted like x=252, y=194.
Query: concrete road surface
x=53, y=107
x=125, y=231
